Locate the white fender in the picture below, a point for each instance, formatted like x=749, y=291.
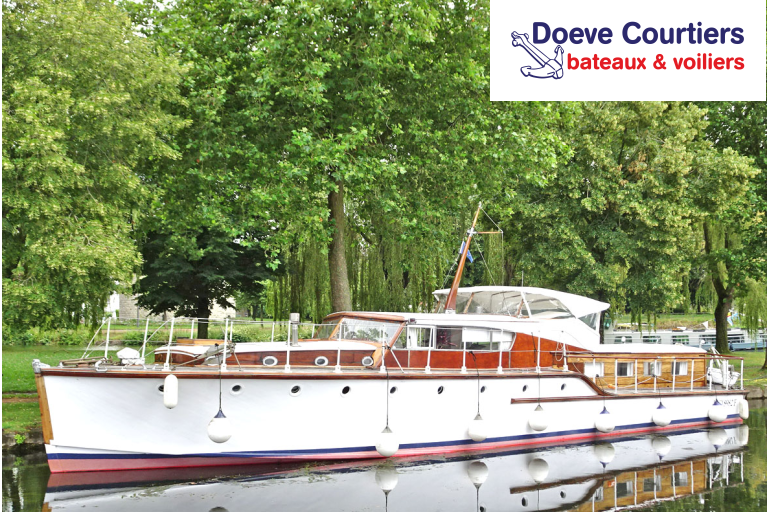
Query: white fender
x=605, y=422
x=717, y=412
x=477, y=431
x=387, y=445
x=171, y=391
x=539, y=419
x=219, y=429
x=661, y=416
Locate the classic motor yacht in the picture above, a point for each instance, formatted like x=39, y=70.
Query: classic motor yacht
x=491, y=367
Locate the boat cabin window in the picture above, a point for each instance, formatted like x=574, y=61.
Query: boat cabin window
x=367, y=330
x=454, y=338
x=325, y=331
x=624, y=489
x=681, y=368
x=594, y=369
x=651, y=484
x=652, y=369
x=420, y=337
x=625, y=369
x=402, y=339
x=591, y=320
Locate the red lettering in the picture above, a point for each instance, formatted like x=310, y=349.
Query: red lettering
x=605, y=63
x=678, y=62
x=719, y=63
x=640, y=62
x=586, y=63
x=728, y=62
x=573, y=62
x=739, y=63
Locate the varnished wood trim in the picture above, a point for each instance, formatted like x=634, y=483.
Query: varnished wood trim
x=365, y=316
x=45, y=413
x=666, y=394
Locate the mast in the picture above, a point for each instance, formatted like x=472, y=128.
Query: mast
x=450, y=303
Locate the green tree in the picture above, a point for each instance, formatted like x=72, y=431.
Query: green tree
x=621, y=223
x=733, y=204
x=83, y=107
x=331, y=120
x=616, y=224
x=187, y=272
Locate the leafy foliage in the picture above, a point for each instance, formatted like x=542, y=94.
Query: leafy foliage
x=187, y=272
x=83, y=106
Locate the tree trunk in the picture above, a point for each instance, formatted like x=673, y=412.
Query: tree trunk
x=337, y=258
x=724, y=291
x=724, y=304
x=203, y=312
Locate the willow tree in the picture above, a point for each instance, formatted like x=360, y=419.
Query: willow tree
x=308, y=116
x=84, y=102
x=620, y=225
x=732, y=198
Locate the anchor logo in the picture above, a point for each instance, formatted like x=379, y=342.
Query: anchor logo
x=549, y=68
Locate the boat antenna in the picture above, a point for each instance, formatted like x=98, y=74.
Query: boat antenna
x=450, y=303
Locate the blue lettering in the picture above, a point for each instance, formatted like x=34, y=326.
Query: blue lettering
x=536, y=38
x=737, y=36
x=625, y=32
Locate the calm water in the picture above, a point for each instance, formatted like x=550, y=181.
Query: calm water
x=696, y=470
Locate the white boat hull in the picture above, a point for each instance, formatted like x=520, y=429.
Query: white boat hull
x=108, y=422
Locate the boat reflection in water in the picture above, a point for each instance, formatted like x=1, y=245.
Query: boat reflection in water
x=584, y=477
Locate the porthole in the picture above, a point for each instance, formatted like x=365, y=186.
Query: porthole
x=562, y=494
x=269, y=361
x=367, y=361
x=345, y=390
x=321, y=361
x=525, y=501
x=236, y=389
x=525, y=388
x=161, y=388
x=562, y=387
x=295, y=390
x=393, y=390
x=482, y=389
x=440, y=390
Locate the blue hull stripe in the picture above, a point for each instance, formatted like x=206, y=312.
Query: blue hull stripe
x=331, y=451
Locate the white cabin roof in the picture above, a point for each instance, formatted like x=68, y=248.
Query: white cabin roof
x=577, y=305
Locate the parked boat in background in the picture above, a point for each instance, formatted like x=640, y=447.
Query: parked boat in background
x=738, y=339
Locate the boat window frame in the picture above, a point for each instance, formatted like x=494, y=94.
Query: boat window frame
x=432, y=337
x=630, y=366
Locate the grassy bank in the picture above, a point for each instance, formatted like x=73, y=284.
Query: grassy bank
x=754, y=375
x=17, y=365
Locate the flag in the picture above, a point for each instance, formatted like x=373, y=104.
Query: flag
x=469, y=254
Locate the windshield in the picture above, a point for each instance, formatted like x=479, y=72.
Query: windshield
x=324, y=331
x=368, y=330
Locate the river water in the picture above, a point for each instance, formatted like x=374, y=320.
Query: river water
x=721, y=469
